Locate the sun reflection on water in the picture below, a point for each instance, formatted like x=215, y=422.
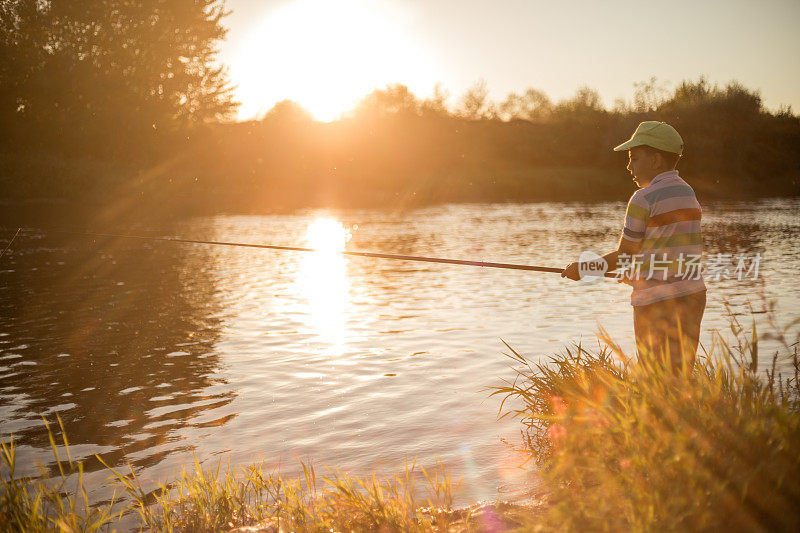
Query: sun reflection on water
x=322, y=281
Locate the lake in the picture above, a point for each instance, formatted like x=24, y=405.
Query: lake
x=151, y=352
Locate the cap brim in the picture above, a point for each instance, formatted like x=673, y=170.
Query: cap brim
x=627, y=145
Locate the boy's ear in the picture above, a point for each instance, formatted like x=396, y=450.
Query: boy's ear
x=658, y=160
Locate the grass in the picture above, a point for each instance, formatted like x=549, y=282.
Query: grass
x=48, y=503
x=633, y=447
x=620, y=446
x=214, y=499
x=219, y=499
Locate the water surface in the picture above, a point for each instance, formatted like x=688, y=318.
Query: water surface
x=151, y=352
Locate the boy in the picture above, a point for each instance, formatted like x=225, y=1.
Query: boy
x=661, y=241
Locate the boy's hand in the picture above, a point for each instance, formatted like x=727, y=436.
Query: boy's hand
x=625, y=280
x=571, y=272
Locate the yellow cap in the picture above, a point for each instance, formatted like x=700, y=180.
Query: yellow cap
x=656, y=134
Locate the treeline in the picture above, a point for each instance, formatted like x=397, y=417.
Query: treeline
x=123, y=98
x=397, y=149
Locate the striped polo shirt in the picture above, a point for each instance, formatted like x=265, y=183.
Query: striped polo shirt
x=665, y=218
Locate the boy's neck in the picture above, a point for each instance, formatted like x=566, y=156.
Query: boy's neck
x=644, y=184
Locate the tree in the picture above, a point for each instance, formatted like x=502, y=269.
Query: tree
x=436, y=104
x=648, y=95
x=84, y=74
x=475, y=101
x=23, y=38
x=533, y=105
x=288, y=112
x=394, y=100
x=585, y=101
x=689, y=92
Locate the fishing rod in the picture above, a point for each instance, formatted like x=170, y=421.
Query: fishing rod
x=510, y=266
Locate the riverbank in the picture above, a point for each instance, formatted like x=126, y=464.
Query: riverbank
x=611, y=439
x=193, y=184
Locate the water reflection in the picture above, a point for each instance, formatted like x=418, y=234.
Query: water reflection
x=323, y=283
x=115, y=336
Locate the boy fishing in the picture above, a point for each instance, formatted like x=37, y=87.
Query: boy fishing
x=660, y=248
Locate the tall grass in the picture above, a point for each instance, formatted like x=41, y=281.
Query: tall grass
x=215, y=499
x=48, y=503
x=627, y=446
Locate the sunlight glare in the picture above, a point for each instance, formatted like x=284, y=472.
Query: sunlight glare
x=326, y=56
x=327, y=235
x=322, y=281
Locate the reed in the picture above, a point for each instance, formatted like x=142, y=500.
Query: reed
x=633, y=447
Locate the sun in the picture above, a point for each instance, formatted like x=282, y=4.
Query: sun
x=326, y=56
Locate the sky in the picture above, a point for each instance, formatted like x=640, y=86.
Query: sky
x=327, y=54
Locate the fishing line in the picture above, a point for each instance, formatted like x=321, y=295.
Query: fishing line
x=10, y=243
x=510, y=266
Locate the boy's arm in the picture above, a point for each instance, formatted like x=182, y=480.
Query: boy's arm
x=625, y=246
x=630, y=242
